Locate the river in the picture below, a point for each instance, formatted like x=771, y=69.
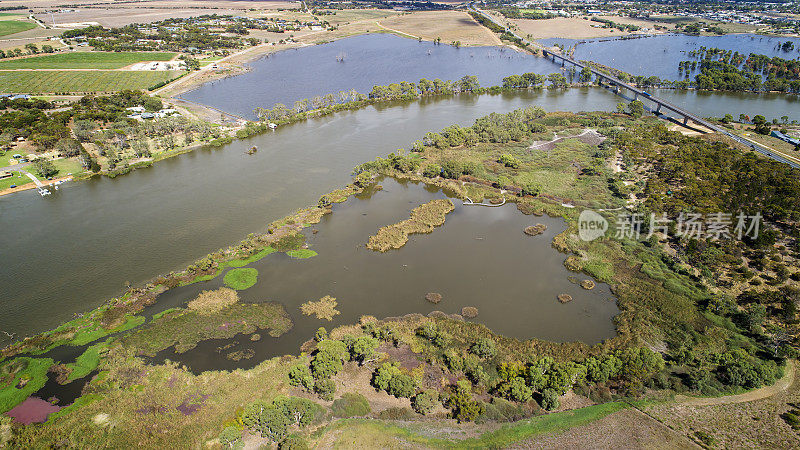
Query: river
x=71, y=251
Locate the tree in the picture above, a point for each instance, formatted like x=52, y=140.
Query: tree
x=230, y=436
x=402, y=386
x=519, y=391
x=321, y=334
x=44, y=167
x=153, y=104
x=484, y=348
x=557, y=81
x=636, y=109
x=329, y=358
x=586, y=75
x=469, y=83
x=300, y=411
x=325, y=389
x=621, y=107
x=425, y=401
x=464, y=408
x=300, y=375
x=364, y=348
x=549, y=399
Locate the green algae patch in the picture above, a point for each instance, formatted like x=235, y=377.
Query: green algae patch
x=185, y=328
x=302, y=253
x=324, y=308
x=424, y=219
x=21, y=377
x=240, y=279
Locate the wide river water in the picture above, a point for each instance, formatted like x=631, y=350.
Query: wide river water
x=70, y=251
x=382, y=59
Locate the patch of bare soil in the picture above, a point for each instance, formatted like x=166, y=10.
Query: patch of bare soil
x=355, y=378
x=625, y=429
x=402, y=355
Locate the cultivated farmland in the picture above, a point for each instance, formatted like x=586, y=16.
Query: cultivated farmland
x=85, y=60
x=14, y=26
x=57, y=81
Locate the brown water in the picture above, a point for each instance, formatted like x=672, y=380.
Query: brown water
x=480, y=257
x=71, y=251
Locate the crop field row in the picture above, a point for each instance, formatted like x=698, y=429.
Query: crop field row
x=85, y=60
x=57, y=81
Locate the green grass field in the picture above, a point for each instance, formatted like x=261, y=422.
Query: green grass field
x=14, y=26
x=53, y=81
x=85, y=60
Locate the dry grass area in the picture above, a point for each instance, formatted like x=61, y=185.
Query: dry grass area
x=568, y=27
x=324, y=308
x=625, y=429
x=448, y=25
x=210, y=302
x=424, y=219
x=750, y=420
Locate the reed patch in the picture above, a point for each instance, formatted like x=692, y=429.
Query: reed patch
x=324, y=308
x=424, y=219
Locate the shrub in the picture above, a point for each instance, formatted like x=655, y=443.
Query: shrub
x=289, y=242
x=329, y=358
x=402, y=386
x=363, y=348
x=300, y=375
x=509, y=160
x=230, y=436
x=293, y=442
x=549, y=399
x=464, y=408
x=484, y=348
x=350, y=405
x=425, y=401
x=321, y=334
x=432, y=170
x=325, y=389
x=532, y=189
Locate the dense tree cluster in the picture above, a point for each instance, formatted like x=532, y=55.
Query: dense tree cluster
x=177, y=34
x=721, y=69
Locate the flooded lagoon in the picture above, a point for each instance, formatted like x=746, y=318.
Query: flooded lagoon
x=659, y=55
x=291, y=75
x=480, y=257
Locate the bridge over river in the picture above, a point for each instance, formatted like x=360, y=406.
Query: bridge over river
x=658, y=105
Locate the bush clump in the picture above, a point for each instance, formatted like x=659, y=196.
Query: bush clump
x=350, y=405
